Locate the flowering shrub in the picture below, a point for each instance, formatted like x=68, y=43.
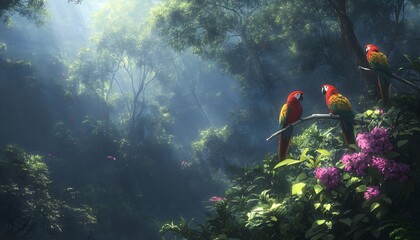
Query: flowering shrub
x=391, y=169
x=329, y=176
x=371, y=193
x=375, y=142
x=356, y=162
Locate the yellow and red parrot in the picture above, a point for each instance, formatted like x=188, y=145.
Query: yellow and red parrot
x=340, y=105
x=379, y=62
x=290, y=113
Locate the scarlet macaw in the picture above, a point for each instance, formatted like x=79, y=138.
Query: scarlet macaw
x=340, y=105
x=290, y=113
x=379, y=62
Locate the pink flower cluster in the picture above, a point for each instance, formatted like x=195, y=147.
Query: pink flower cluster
x=185, y=164
x=391, y=169
x=216, y=199
x=371, y=192
x=356, y=162
x=375, y=142
x=329, y=176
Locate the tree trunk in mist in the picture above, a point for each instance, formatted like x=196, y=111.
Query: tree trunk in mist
x=200, y=107
x=351, y=41
x=260, y=80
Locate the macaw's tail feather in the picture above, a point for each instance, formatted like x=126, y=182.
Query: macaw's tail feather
x=348, y=132
x=284, y=143
x=384, y=87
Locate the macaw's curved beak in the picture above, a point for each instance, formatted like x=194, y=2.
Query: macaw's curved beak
x=323, y=90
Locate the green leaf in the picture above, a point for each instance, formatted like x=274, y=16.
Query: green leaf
x=361, y=188
x=287, y=162
x=369, y=112
x=273, y=218
x=346, y=176
x=374, y=206
x=324, y=152
x=346, y=221
x=329, y=224
x=358, y=217
x=301, y=177
x=274, y=206
x=297, y=189
x=303, y=155
x=320, y=222
x=402, y=143
x=318, y=236
x=318, y=188
x=387, y=199
x=327, y=206
x=316, y=205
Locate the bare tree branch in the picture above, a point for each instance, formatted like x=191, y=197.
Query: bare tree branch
x=412, y=85
x=313, y=116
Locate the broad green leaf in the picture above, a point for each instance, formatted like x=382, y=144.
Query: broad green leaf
x=327, y=206
x=374, y=206
x=346, y=176
x=318, y=236
x=402, y=143
x=387, y=199
x=358, y=217
x=324, y=152
x=274, y=206
x=416, y=129
x=297, y=189
x=301, y=177
x=329, y=224
x=303, y=155
x=369, y=112
x=320, y=222
x=361, y=188
x=287, y=162
x=346, y=221
x=317, y=188
x=316, y=205
x=273, y=218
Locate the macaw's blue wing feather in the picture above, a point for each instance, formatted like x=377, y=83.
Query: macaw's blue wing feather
x=284, y=143
x=348, y=132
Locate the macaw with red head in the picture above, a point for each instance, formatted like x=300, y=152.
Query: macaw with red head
x=379, y=62
x=290, y=113
x=340, y=105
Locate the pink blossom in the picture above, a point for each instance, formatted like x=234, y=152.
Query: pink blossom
x=216, y=199
x=371, y=192
x=329, y=176
x=356, y=162
x=375, y=142
x=391, y=169
x=111, y=157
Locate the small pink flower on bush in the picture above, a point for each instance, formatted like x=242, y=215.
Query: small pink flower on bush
x=329, y=176
x=185, y=164
x=371, y=192
x=391, y=169
x=356, y=162
x=379, y=111
x=375, y=142
x=216, y=199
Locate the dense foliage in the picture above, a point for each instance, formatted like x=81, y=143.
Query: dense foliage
x=165, y=111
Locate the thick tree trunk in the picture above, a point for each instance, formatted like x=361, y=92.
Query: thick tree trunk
x=350, y=39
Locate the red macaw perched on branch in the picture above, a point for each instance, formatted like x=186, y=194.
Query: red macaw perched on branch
x=379, y=62
x=340, y=105
x=290, y=113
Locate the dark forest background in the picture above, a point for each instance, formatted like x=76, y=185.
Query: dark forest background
x=119, y=116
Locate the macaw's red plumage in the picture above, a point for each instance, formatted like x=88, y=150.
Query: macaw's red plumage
x=340, y=105
x=290, y=113
x=379, y=62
